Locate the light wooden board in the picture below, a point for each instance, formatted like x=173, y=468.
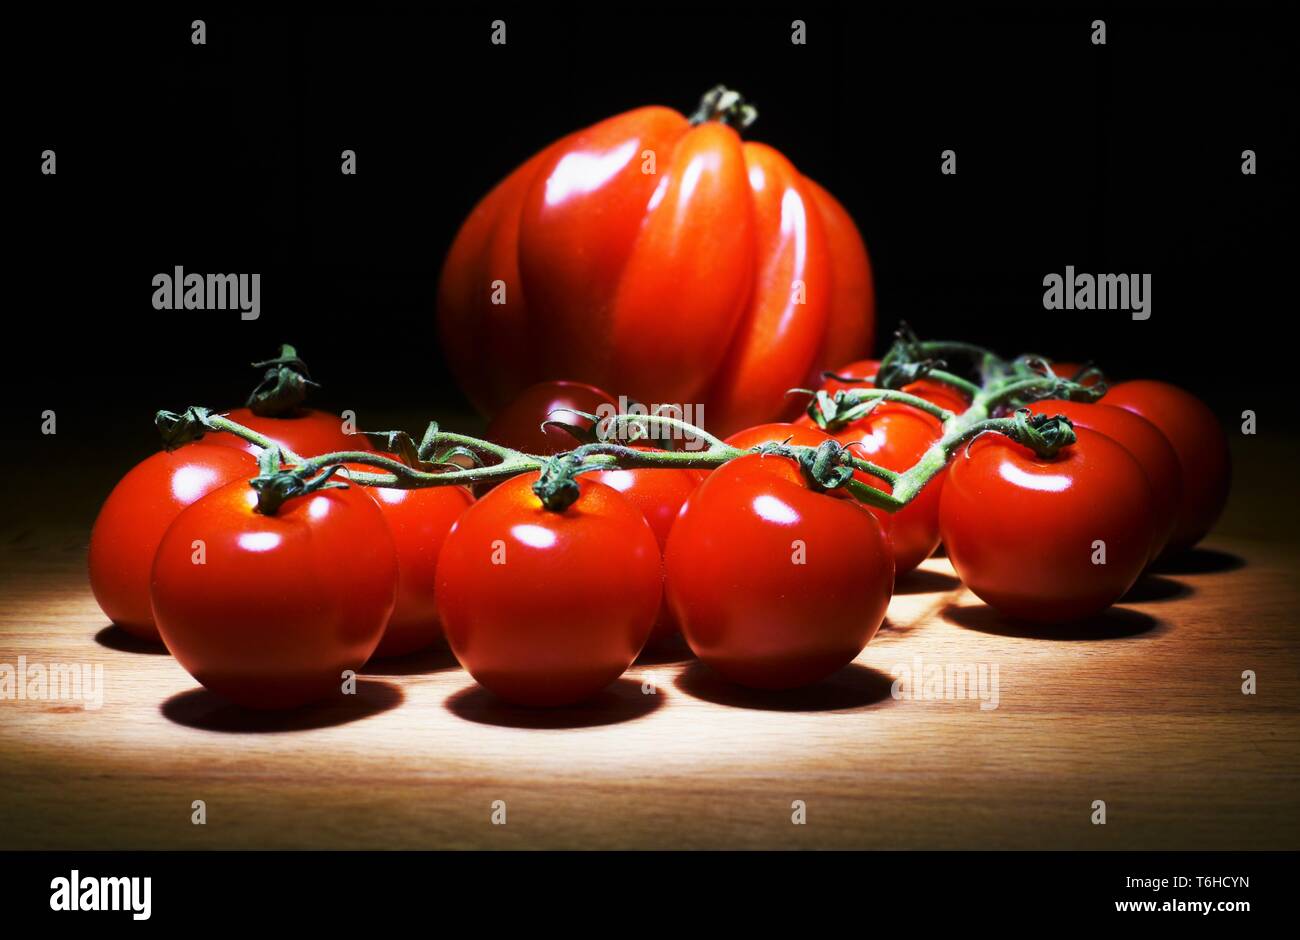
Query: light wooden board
x=1143, y=711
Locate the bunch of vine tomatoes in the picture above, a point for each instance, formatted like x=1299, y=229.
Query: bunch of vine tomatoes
x=773, y=581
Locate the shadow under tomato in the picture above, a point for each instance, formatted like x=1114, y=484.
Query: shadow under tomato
x=1198, y=561
x=114, y=637
x=1151, y=588
x=674, y=649
x=622, y=701
x=207, y=711
x=1115, y=623
x=921, y=581
x=421, y=662
x=853, y=688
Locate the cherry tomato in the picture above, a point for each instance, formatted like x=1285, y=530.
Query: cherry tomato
x=659, y=494
x=933, y=391
x=135, y=516
x=309, y=433
x=798, y=435
x=1070, y=369
x=895, y=437
x=594, y=253
x=1201, y=446
x=807, y=434
x=1149, y=448
x=1023, y=531
x=548, y=608
x=269, y=611
x=519, y=425
x=776, y=586
x=419, y=521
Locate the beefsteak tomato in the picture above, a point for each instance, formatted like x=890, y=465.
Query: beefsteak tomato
x=660, y=257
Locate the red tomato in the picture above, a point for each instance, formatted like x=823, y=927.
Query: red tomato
x=282, y=605
x=1148, y=446
x=135, y=516
x=776, y=586
x=519, y=425
x=1021, y=530
x=309, y=433
x=750, y=274
x=419, y=521
x=1201, y=446
x=659, y=494
x=548, y=608
x=895, y=437
x=807, y=434
x=932, y=390
x=1070, y=369
x=798, y=435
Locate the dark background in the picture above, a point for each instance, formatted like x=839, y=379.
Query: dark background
x=225, y=158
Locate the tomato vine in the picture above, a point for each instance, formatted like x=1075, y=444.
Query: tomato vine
x=445, y=458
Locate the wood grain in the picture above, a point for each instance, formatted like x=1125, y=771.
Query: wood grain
x=1142, y=709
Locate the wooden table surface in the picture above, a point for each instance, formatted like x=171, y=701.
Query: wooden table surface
x=1142, y=709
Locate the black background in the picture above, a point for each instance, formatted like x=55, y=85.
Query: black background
x=225, y=158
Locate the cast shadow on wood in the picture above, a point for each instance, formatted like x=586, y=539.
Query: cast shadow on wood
x=853, y=688
x=922, y=581
x=1115, y=623
x=623, y=701
x=421, y=662
x=1151, y=588
x=199, y=708
x=114, y=637
x=1198, y=561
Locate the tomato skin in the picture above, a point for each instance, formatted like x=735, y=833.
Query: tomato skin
x=933, y=391
x=659, y=494
x=548, y=608
x=419, y=521
x=519, y=424
x=1145, y=443
x=803, y=433
x=895, y=437
x=1019, y=529
x=309, y=433
x=746, y=608
x=1198, y=440
x=595, y=254
x=283, y=604
x=134, y=517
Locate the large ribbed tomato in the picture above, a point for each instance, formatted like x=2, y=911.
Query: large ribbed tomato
x=660, y=258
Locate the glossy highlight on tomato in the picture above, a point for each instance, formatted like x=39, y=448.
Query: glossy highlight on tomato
x=775, y=586
x=133, y=519
x=1024, y=532
x=751, y=275
x=548, y=608
x=1202, y=448
x=268, y=611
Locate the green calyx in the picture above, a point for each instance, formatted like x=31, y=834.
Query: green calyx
x=177, y=430
x=1042, y=434
x=284, y=385
x=727, y=106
